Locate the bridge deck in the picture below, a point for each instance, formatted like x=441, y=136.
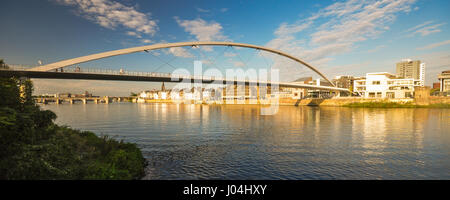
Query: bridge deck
x=151, y=78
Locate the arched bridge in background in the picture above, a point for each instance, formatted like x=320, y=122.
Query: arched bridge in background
x=45, y=71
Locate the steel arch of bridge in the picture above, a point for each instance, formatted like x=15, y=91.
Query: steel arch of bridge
x=82, y=59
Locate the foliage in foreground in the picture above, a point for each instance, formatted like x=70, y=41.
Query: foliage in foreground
x=33, y=147
x=394, y=105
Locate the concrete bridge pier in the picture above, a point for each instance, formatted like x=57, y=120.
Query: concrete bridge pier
x=107, y=100
x=71, y=101
x=58, y=101
x=84, y=101
x=96, y=101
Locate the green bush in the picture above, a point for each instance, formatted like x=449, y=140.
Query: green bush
x=33, y=147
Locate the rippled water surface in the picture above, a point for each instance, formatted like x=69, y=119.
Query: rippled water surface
x=236, y=142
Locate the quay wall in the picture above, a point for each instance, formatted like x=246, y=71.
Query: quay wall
x=317, y=102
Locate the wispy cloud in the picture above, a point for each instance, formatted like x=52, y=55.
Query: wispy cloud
x=111, y=14
x=202, y=10
x=419, y=26
x=434, y=45
x=288, y=29
x=337, y=28
x=425, y=29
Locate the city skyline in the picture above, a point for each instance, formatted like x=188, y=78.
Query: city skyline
x=337, y=37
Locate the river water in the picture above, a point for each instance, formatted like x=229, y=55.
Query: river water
x=236, y=142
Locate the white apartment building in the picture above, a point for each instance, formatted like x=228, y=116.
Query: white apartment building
x=422, y=75
x=384, y=85
x=153, y=95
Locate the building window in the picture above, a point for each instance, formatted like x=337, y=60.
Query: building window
x=408, y=95
x=375, y=82
x=379, y=94
x=405, y=88
x=390, y=95
x=371, y=94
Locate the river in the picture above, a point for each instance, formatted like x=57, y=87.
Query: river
x=236, y=142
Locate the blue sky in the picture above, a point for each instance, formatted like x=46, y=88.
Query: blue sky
x=337, y=37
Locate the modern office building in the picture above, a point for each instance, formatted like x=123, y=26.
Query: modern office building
x=444, y=80
x=344, y=81
x=384, y=85
x=409, y=69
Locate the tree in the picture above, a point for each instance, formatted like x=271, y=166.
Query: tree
x=434, y=91
x=3, y=65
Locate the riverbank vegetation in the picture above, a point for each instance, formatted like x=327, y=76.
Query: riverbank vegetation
x=32, y=146
x=394, y=105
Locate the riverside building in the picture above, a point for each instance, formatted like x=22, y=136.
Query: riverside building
x=409, y=69
x=384, y=85
x=444, y=80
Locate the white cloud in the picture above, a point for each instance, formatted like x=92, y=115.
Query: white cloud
x=180, y=52
x=223, y=10
x=146, y=41
x=202, y=30
x=111, y=14
x=355, y=21
x=131, y=33
x=434, y=45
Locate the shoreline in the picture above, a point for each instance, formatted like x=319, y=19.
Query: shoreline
x=363, y=103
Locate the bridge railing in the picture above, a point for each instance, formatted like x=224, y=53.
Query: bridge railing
x=18, y=67
x=135, y=73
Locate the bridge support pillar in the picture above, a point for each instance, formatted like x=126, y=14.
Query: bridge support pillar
x=84, y=101
x=71, y=101
x=96, y=101
x=58, y=101
x=107, y=100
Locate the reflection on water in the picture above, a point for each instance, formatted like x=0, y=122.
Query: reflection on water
x=236, y=142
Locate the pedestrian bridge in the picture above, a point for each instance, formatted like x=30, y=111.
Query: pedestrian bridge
x=50, y=71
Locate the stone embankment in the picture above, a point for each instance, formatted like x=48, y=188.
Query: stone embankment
x=322, y=102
